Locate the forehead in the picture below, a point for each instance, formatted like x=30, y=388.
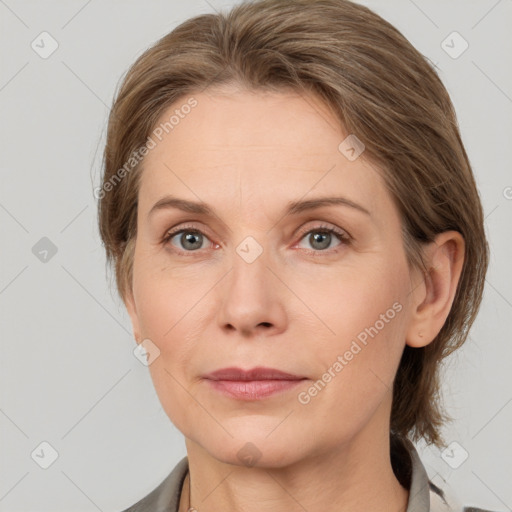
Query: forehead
x=245, y=145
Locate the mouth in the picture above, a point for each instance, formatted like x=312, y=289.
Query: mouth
x=255, y=384
x=257, y=373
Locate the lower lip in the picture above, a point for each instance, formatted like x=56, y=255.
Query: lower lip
x=252, y=389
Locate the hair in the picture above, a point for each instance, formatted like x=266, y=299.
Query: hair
x=379, y=87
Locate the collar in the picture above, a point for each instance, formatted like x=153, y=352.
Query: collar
x=420, y=490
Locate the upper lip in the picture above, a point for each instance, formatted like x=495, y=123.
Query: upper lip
x=257, y=373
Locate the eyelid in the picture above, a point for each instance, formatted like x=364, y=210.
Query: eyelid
x=342, y=233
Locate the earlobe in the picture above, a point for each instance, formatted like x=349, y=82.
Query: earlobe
x=433, y=299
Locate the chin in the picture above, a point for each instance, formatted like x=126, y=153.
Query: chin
x=253, y=447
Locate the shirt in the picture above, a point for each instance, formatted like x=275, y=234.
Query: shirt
x=424, y=496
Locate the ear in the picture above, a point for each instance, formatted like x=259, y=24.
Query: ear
x=433, y=295
x=129, y=302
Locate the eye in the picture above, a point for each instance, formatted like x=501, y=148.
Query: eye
x=321, y=238
x=186, y=239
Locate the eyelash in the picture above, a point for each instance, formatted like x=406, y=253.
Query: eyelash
x=343, y=237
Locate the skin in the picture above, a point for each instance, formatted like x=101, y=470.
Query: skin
x=296, y=307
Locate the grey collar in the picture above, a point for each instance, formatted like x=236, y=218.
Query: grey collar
x=419, y=492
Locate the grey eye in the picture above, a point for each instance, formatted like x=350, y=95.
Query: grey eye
x=189, y=240
x=323, y=240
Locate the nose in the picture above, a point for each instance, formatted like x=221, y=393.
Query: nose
x=251, y=300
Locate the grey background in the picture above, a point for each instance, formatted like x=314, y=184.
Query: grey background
x=68, y=375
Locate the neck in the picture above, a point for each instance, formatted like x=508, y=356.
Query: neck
x=357, y=476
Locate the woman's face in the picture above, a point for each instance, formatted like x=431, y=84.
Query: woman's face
x=258, y=281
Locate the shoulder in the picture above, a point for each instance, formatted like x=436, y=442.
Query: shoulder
x=444, y=501
x=166, y=496
x=424, y=495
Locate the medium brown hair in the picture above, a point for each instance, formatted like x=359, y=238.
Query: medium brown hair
x=379, y=87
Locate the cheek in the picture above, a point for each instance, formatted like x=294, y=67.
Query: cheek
x=362, y=302
x=166, y=297
x=165, y=317
x=366, y=315
x=168, y=308
x=358, y=367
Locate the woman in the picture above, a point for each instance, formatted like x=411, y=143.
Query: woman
x=299, y=241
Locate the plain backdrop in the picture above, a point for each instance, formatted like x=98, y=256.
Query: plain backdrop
x=68, y=375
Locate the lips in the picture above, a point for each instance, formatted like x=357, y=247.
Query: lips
x=258, y=373
x=252, y=385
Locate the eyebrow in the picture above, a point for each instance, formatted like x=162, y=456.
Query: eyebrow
x=293, y=207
